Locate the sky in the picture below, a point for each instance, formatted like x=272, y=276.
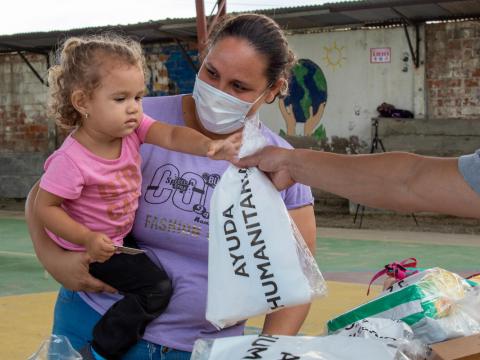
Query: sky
x=20, y=16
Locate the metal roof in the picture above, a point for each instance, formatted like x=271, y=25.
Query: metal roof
x=340, y=14
x=147, y=32
x=373, y=12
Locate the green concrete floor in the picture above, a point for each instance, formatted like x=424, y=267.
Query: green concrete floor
x=20, y=271
x=340, y=258
x=347, y=258
x=370, y=255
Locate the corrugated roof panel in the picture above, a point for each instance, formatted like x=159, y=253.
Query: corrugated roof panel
x=177, y=22
x=321, y=20
x=374, y=15
x=462, y=7
x=345, y=13
x=423, y=11
x=295, y=23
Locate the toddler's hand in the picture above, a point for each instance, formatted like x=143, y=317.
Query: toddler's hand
x=226, y=149
x=99, y=246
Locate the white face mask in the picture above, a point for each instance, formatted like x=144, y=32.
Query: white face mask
x=219, y=112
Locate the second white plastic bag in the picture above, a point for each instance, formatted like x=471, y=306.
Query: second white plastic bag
x=268, y=347
x=257, y=262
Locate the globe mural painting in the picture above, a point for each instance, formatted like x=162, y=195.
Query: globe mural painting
x=306, y=99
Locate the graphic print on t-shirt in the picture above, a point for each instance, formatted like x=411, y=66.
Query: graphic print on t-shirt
x=121, y=196
x=187, y=191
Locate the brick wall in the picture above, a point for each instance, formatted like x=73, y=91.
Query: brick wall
x=24, y=140
x=24, y=127
x=453, y=69
x=23, y=122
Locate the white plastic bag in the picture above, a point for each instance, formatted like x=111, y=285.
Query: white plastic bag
x=57, y=347
x=378, y=328
x=435, y=303
x=462, y=318
x=295, y=348
x=394, y=332
x=257, y=261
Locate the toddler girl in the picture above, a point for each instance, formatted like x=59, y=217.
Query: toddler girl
x=89, y=191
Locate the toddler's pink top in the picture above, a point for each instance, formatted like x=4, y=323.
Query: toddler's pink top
x=99, y=193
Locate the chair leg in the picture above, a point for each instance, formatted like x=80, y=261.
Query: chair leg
x=361, y=217
x=415, y=218
x=356, y=214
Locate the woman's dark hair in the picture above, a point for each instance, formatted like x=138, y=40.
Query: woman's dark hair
x=267, y=39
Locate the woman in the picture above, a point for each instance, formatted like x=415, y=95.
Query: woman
x=246, y=65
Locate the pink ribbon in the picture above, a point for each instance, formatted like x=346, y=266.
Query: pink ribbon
x=396, y=270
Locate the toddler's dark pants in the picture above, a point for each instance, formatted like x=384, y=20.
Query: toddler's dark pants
x=147, y=291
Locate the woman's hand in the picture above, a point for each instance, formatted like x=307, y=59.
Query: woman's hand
x=226, y=149
x=69, y=268
x=75, y=275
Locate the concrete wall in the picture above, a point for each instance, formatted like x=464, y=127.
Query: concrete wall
x=453, y=93
x=23, y=123
x=355, y=85
x=435, y=137
x=24, y=127
x=353, y=88
x=453, y=71
x=27, y=136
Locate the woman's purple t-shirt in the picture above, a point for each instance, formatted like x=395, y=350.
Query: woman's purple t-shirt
x=171, y=223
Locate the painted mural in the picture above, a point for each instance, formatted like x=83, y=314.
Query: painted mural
x=306, y=100
x=167, y=70
x=334, y=56
x=157, y=75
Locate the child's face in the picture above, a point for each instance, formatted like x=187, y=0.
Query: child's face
x=115, y=107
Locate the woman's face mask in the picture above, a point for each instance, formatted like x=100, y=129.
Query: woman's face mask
x=219, y=112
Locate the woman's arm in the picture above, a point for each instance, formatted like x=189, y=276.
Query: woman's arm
x=288, y=321
x=69, y=268
x=397, y=181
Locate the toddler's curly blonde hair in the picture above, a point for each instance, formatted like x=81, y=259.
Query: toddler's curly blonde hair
x=81, y=64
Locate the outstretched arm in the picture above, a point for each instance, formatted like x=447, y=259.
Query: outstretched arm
x=398, y=181
x=69, y=268
x=187, y=140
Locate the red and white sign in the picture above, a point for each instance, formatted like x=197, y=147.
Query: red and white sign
x=380, y=55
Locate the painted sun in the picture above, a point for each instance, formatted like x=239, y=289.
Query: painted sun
x=334, y=56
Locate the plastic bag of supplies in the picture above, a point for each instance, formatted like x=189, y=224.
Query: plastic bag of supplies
x=394, y=332
x=296, y=348
x=258, y=262
x=437, y=305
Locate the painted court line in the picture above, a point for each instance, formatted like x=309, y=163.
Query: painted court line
x=400, y=236
x=15, y=253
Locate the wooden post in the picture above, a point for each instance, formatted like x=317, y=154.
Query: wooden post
x=203, y=29
x=201, y=25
